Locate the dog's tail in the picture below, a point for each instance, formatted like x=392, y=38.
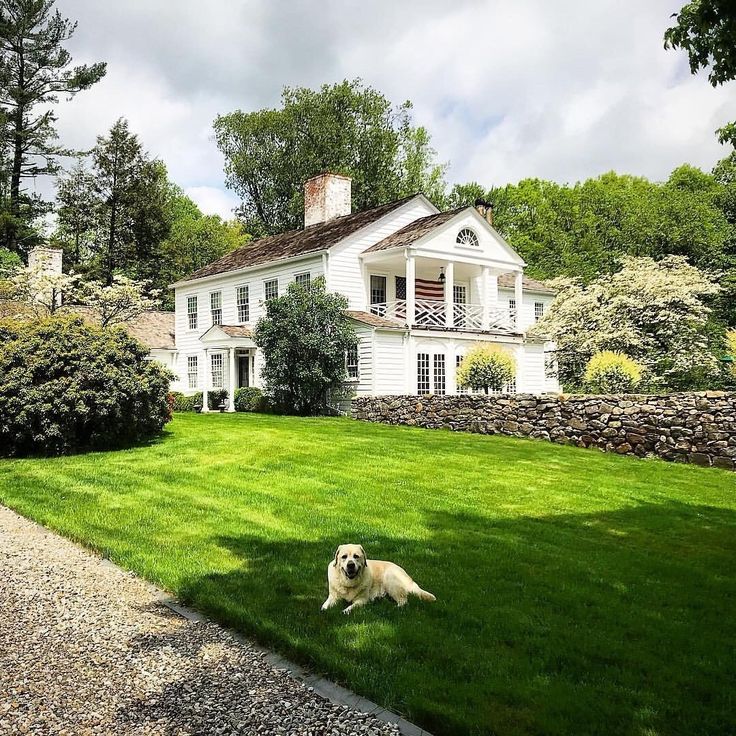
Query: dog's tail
x=423, y=594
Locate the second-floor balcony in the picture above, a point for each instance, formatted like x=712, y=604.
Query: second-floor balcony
x=438, y=314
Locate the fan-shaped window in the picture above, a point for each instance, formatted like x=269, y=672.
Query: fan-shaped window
x=467, y=237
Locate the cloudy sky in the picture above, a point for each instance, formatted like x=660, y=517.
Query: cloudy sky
x=561, y=90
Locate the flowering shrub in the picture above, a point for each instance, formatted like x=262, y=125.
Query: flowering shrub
x=486, y=367
x=731, y=346
x=609, y=372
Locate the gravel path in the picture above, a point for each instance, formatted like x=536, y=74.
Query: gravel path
x=86, y=648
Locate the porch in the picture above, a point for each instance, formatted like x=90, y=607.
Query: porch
x=439, y=293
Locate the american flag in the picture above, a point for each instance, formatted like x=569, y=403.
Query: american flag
x=426, y=289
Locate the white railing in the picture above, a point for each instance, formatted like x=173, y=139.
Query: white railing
x=432, y=313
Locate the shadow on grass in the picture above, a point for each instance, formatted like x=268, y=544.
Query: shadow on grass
x=617, y=623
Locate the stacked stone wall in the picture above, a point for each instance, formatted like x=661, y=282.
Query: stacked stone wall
x=685, y=427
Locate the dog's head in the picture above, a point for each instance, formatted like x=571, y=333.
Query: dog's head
x=350, y=560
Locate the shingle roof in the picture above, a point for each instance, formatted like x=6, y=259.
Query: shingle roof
x=414, y=230
x=506, y=281
x=153, y=329
x=373, y=319
x=236, y=330
x=296, y=242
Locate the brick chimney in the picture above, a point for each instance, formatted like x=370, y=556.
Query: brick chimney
x=326, y=196
x=46, y=259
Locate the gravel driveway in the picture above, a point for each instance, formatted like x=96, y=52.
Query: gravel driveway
x=88, y=649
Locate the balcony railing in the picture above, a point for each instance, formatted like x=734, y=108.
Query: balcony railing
x=432, y=313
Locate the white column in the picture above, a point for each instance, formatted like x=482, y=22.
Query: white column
x=519, y=297
x=231, y=405
x=449, y=295
x=206, y=387
x=485, y=276
x=411, y=276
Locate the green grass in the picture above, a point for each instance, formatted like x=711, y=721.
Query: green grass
x=578, y=593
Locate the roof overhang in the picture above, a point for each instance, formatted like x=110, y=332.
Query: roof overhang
x=216, y=336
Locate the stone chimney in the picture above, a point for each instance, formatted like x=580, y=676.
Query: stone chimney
x=485, y=209
x=326, y=196
x=46, y=259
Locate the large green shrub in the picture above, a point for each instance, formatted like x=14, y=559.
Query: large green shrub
x=486, y=367
x=67, y=386
x=249, y=398
x=182, y=402
x=215, y=397
x=609, y=372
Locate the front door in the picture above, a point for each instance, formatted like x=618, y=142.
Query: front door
x=243, y=371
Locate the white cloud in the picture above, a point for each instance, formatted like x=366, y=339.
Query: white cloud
x=214, y=201
x=561, y=90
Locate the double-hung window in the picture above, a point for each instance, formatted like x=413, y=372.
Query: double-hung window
x=351, y=363
x=303, y=279
x=271, y=289
x=538, y=311
x=216, y=307
x=192, y=312
x=218, y=377
x=192, y=371
x=423, y=373
x=458, y=363
x=241, y=297
x=512, y=311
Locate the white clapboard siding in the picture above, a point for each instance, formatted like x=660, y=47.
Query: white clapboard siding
x=527, y=307
x=389, y=363
x=344, y=269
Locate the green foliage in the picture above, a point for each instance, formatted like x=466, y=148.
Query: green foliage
x=249, y=398
x=35, y=70
x=182, y=402
x=653, y=311
x=9, y=261
x=215, y=397
x=66, y=386
x=304, y=337
x=486, y=367
x=609, y=372
x=348, y=128
x=731, y=347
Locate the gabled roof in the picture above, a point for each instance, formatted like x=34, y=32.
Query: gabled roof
x=414, y=230
x=506, y=281
x=311, y=239
x=367, y=318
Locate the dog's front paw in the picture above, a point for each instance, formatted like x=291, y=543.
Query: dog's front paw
x=347, y=611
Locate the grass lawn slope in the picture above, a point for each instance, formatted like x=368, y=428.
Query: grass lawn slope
x=578, y=593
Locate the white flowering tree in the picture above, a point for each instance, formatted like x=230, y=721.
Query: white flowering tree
x=653, y=311
x=119, y=302
x=38, y=288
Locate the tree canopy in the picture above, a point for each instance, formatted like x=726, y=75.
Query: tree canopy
x=348, y=128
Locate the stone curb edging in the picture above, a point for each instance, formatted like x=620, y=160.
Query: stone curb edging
x=329, y=690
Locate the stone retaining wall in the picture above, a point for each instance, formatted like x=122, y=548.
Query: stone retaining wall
x=689, y=427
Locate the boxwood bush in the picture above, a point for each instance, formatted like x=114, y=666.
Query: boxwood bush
x=67, y=386
x=182, y=402
x=249, y=398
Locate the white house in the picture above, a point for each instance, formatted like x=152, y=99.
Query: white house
x=423, y=287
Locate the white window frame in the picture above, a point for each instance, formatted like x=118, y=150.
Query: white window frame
x=424, y=375
x=304, y=279
x=192, y=314
x=192, y=372
x=216, y=307
x=217, y=370
x=538, y=311
x=467, y=238
x=352, y=363
x=242, y=306
x=269, y=283
x=375, y=307
x=458, y=362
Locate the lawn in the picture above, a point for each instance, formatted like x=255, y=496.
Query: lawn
x=578, y=593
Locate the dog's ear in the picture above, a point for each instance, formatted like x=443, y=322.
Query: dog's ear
x=365, y=558
x=337, y=552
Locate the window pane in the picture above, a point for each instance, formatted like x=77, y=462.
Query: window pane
x=192, y=312
x=216, y=307
x=378, y=295
x=423, y=373
x=538, y=311
x=458, y=363
x=192, y=371
x=351, y=362
x=303, y=279
x=271, y=289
